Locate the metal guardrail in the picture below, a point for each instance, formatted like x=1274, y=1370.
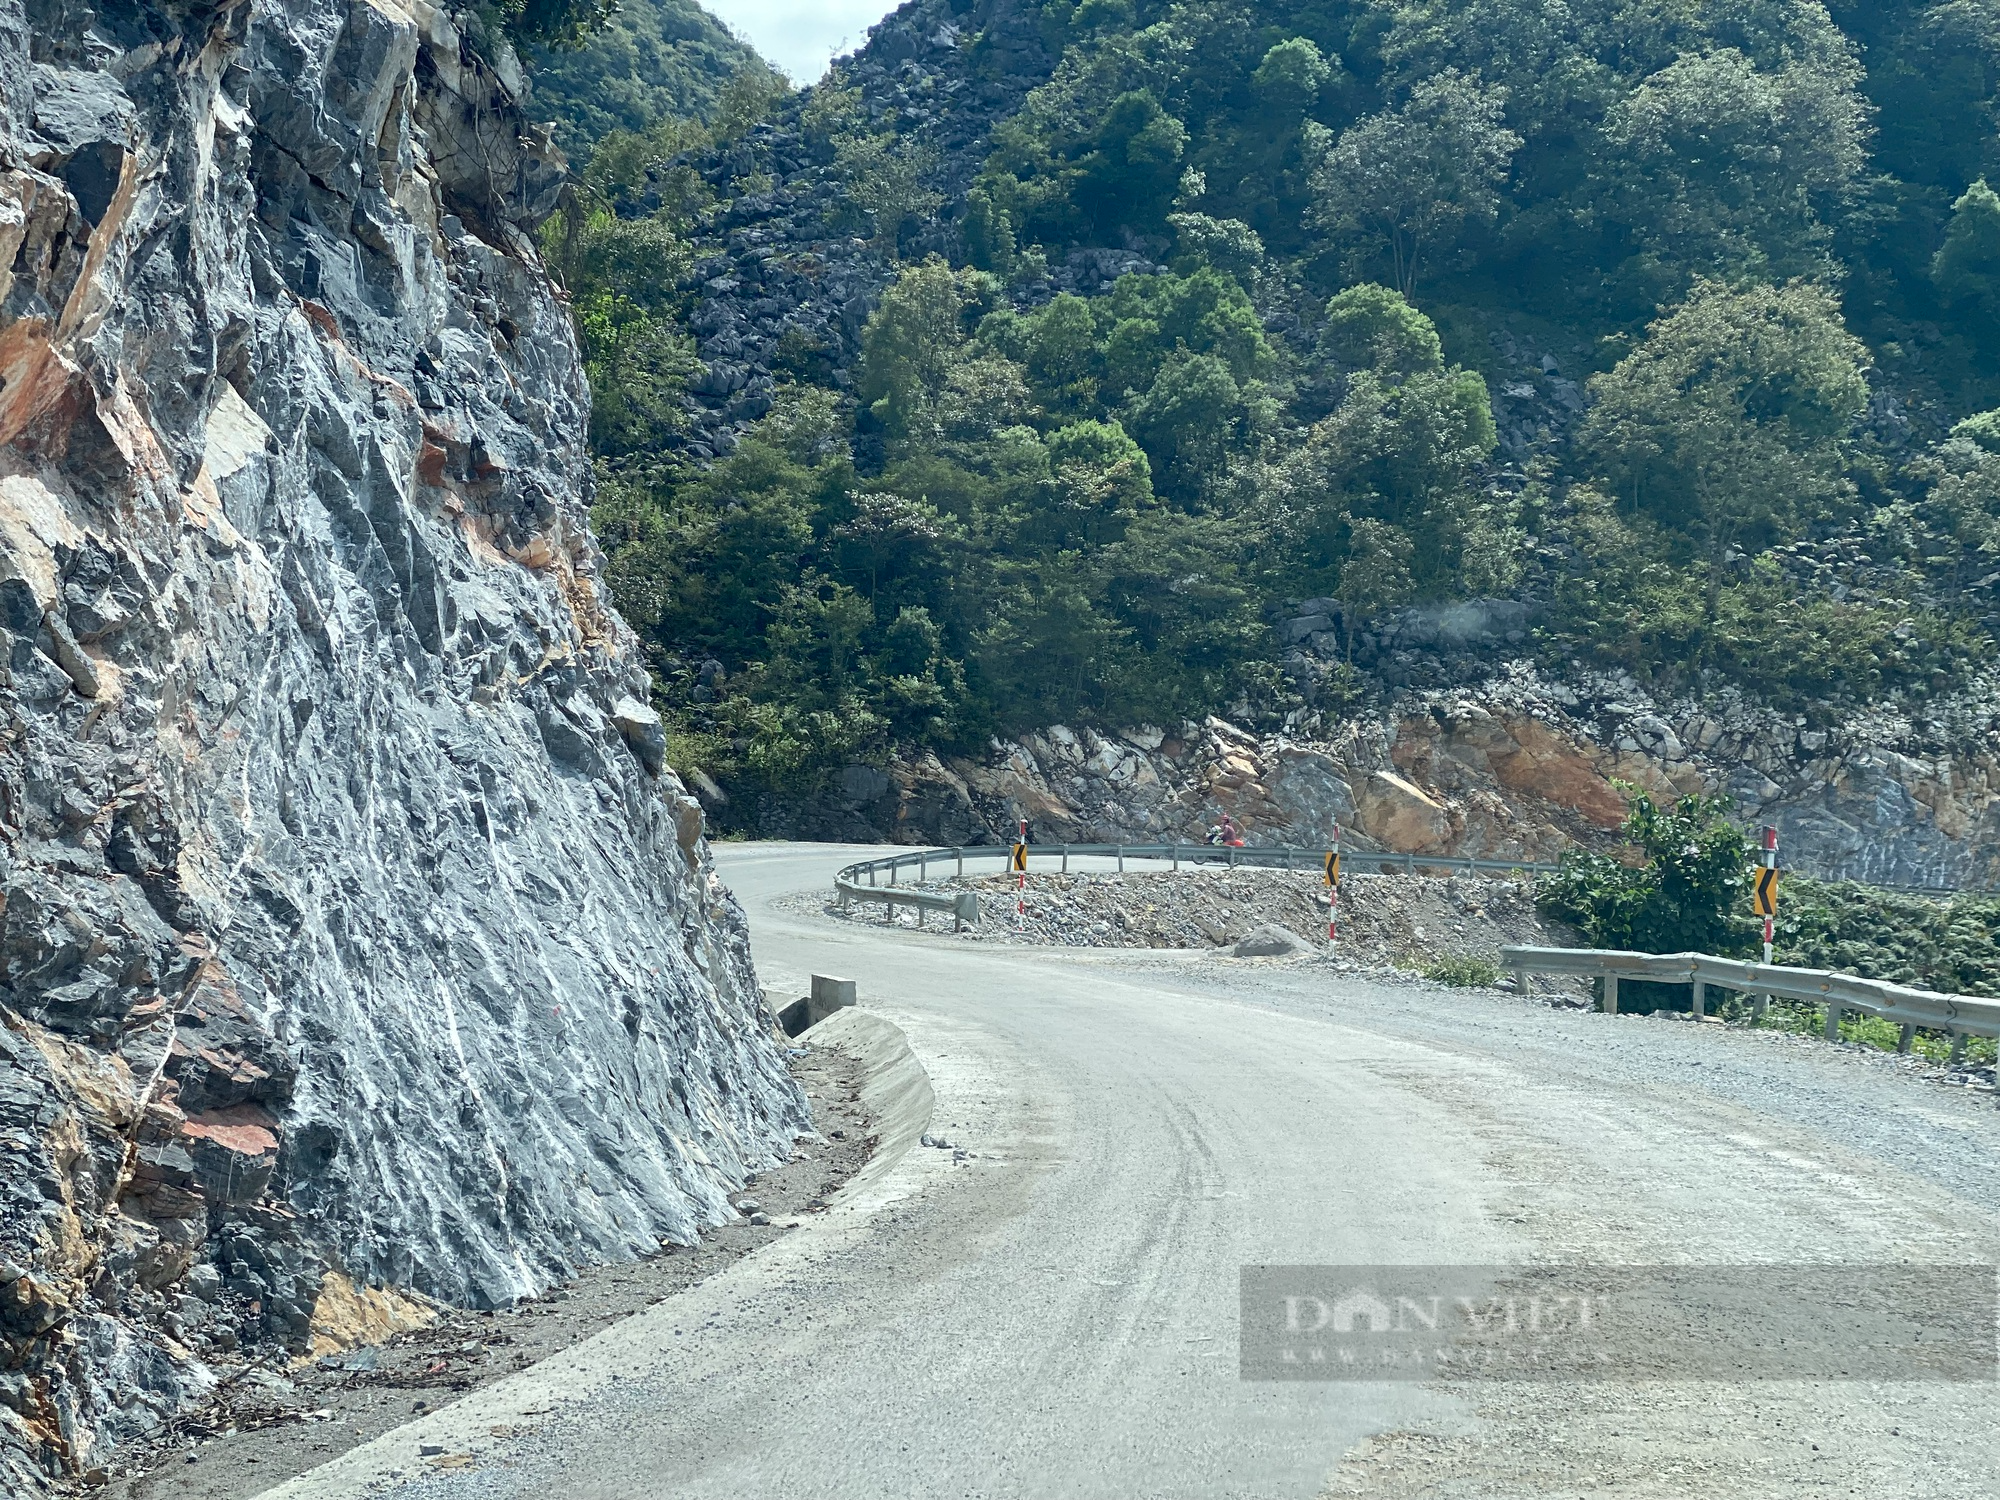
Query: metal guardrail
x=849, y=883
x=880, y=879
x=1960, y=1015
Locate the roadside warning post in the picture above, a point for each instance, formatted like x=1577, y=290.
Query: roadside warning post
x=1767, y=887
x=1333, y=887
x=1766, y=899
x=1021, y=874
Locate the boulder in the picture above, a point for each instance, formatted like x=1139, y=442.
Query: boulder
x=1270, y=941
x=1399, y=815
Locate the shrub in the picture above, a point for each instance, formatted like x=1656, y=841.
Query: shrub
x=1690, y=894
x=1462, y=970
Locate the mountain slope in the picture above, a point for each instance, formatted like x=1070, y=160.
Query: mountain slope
x=649, y=61
x=1247, y=316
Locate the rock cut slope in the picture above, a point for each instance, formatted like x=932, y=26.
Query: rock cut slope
x=353, y=928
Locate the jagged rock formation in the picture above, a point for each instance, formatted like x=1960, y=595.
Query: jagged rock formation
x=1517, y=768
x=352, y=925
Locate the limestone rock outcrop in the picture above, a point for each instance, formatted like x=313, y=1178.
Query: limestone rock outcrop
x=352, y=933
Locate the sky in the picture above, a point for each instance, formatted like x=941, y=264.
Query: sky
x=800, y=37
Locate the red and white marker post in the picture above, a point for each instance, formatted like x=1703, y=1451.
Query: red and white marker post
x=1770, y=863
x=1333, y=889
x=1021, y=875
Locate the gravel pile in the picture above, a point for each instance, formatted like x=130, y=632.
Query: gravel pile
x=1402, y=921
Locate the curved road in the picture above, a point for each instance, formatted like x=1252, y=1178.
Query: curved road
x=1057, y=1313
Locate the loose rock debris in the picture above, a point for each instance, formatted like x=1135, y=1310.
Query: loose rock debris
x=1385, y=921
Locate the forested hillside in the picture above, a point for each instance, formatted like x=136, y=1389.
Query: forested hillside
x=634, y=69
x=1047, y=359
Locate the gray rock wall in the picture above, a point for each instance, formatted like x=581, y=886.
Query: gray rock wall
x=351, y=922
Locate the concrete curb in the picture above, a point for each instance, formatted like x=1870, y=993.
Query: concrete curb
x=894, y=1087
x=897, y=1091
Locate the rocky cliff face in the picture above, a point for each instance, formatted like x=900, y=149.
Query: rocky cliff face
x=1516, y=767
x=353, y=929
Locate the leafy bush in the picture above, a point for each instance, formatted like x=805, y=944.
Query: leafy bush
x=1690, y=894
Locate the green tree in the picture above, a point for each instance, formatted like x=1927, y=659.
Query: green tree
x=1376, y=573
x=622, y=274
x=1371, y=327
x=1967, y=266
x=910, y=343
x=1403, y=447
x=887, y=180
x=1190, y=419
x=1407, y=181
x=1289, y=79
x=1729, y=423
x=1721, y=168
x=1100, y=481
x=1134, y=163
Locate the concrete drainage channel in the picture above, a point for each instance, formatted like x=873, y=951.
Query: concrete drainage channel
x=825, y=996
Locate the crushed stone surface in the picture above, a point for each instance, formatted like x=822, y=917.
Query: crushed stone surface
x=1400, y=921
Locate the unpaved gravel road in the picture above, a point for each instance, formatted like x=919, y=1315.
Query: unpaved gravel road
x=1056, y=1314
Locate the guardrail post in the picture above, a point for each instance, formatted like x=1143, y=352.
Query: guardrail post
x=1759, y=1003
x=1177, y=855
x=1700, y=1000
x=1522, y=984
x=1957, y=1048
x=1232, y=856
x=960, y=852
x=871, y=873
x=1611, y=994
x=923, y=868
x=1832, y=1019
x=1065, y=867
x=1121, y=856
x=1905, y=1039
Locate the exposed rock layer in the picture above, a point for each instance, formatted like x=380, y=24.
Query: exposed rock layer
x=353, y=931
x=1518, y=768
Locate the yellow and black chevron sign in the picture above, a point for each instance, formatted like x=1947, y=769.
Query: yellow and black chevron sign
x=1333, y=867
x=1020, y=857
x=1767, y=893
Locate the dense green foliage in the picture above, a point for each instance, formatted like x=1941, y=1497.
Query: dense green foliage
x=1742, y=226
x=1949, y=945
x=645, y=63
x=1691, y=894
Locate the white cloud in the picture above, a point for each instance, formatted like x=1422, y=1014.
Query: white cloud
x=800, y=37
